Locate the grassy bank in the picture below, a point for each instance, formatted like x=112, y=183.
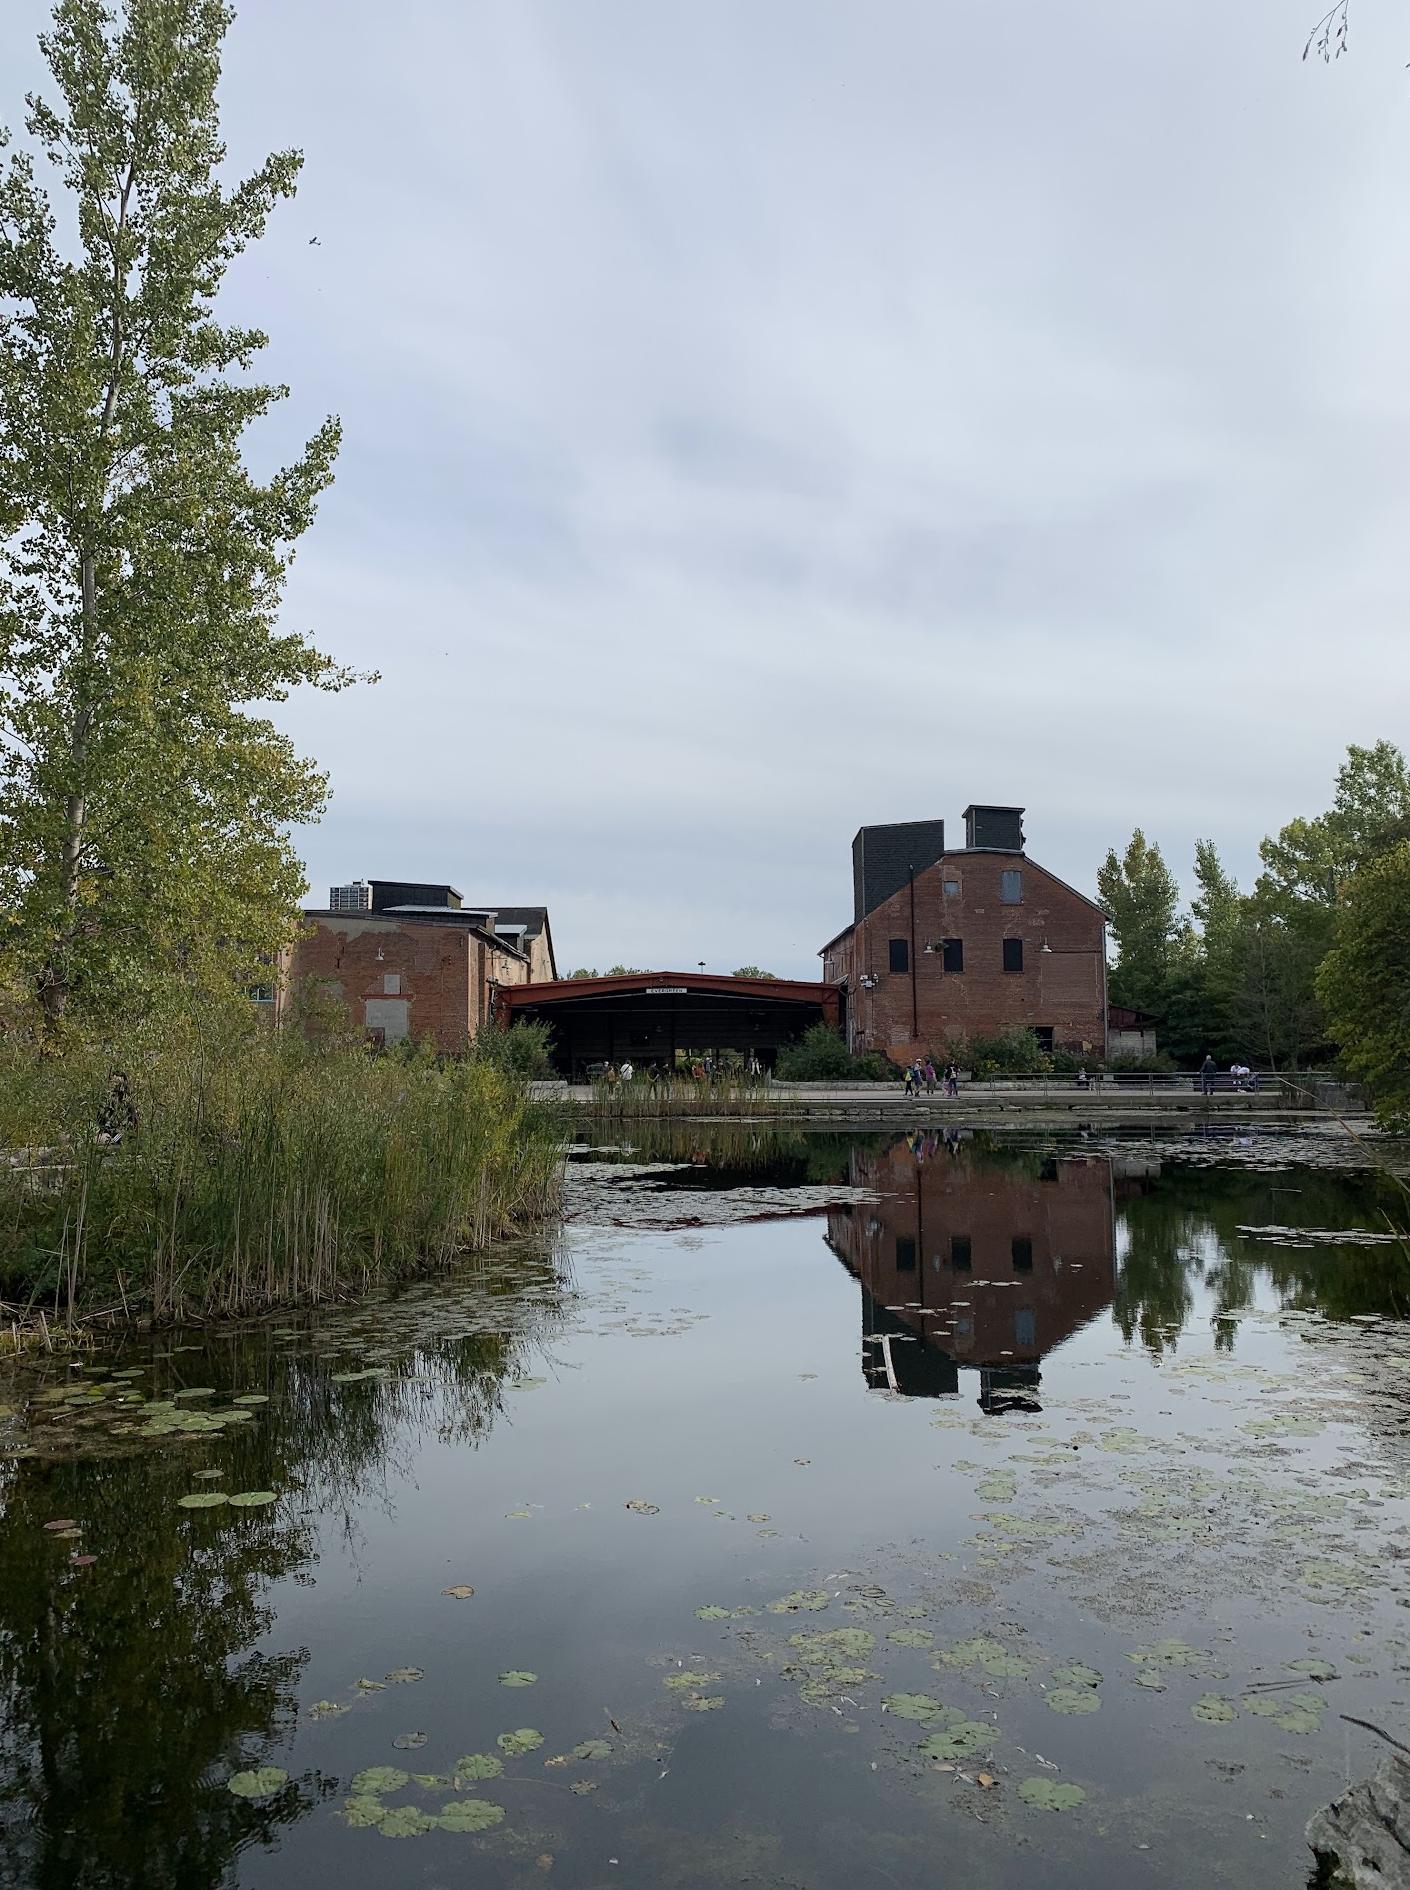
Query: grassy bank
x=254, y=1171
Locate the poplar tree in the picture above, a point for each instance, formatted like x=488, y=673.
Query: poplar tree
x=145, y=800
x=1140, y=897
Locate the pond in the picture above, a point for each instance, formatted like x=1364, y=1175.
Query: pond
x=817, y=1511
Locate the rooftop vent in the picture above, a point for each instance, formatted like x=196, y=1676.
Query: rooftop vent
x=998, y=828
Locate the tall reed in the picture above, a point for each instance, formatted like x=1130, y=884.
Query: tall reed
x=258, y=1171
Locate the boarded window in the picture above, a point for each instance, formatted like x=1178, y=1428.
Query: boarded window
x=1022, y=1251
x=1011, y=887
x=392, y=1016
x=953, y=950
x=391, y=983
x=960, y=1252
x=951, y=888
x=900, y=954
x=1025, y=1327
x=905, y=1254
x=1013, y=954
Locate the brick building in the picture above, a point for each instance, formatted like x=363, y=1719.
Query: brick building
x=972, y=1260
x=407, y=959
x=950, y=943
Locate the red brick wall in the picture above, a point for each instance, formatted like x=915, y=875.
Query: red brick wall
x=443, y=973
x=993, y=1314
x=1063, y=989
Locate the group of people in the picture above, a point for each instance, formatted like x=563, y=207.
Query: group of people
x=921, y=1074
x=1240, y=1076
x=702, y=1070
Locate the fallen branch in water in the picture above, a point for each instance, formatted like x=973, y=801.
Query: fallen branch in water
x=1379, y=1731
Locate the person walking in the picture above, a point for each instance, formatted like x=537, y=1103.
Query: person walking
x=628, y=1070
x=952, y=1079
x=929, y=1074
x=910, y=1079
x=1207, y=1074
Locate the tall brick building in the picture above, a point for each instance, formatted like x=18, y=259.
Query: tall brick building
x=949, y=943
x=407, y=959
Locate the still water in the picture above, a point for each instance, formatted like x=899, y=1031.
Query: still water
x=836, y=1511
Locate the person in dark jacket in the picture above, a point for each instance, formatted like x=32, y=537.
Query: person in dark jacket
x=1207, y=1072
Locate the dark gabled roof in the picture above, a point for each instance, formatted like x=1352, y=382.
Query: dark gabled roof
x=837, y=938
x=534, y=920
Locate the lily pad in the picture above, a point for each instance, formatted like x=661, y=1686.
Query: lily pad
x=469, y=1814
x=911, y=1637
x=581, y=1787
x=516, y=1744
x=251, y=1499
x=377, y=1779
x=326, y=1709
x=1292, y=1712
x=712, y=1613
x=704, y=1703
x=917, y=1706
x=1314, y=1669
x=462, y=1591
x=591, y=1749
x=1074, y=1699
x=363, y=1810
x=640, y=1507
x=1050, y=1794
x=1214, y=1710
x=688, y=1680
x=251, y=1397
x=405, y=1821
x=801, y=1601
x=262, y=1782
x=1076, y=1673
x=405, y=1676
x=202, y=1499
x=518, y=1677
x=409, y=1742
x=960, y=1741
x=478, y=1765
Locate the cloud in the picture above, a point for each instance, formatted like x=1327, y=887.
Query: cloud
x=760, y=421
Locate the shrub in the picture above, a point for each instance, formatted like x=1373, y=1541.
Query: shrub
x=820, y=1056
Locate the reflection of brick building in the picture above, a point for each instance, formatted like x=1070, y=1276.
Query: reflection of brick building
x=988, y=1262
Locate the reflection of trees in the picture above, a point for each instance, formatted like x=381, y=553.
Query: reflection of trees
x=129, y=1689
x=1184, y=1232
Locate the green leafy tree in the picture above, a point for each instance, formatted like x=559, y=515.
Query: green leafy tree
x=1311, y=861
x=1140, y=897
x=144, y=808
x=755, y=971
x=1364, y=982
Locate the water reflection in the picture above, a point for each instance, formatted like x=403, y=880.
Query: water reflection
x=131, y=1688
x=976, y=1258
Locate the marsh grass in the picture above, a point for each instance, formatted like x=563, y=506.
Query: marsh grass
x=641, y=1100
x=259, y=1170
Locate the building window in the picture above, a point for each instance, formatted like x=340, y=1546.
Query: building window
x=952, y=950
x=1044, y=1034
x=900, y=954
x=905, y=1254
x=261, y=993
x=960, y=1252
x=1021, y=1248
x=1025, y=1327
x=951, y=888
x=1011, y=887
x=1013, y=954
x=1049, y=1170
x=391, y=983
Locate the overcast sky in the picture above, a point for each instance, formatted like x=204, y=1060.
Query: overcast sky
x=762, y=419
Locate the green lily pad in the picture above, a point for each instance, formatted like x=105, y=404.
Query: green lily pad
x=363, y=1810
x=704, y=1703
x=377, y=1779
x=262, y=1782
x=410, y=1742
x=469, y=1814
x=1074, y=1699
x=478, y=1765
x=961, y=1741
x=688, y=1680
x=833, y=1648
x=591, y=1749
x=195, y=1391
x=405, y=1821
x=516, y=1744
x=801, y=1601
x=251, y=1397
x=911, y=1637
x=712, y=1613
x=1214, y=1710
x=405, y=1676
x=1076, y=1673
x=1150, y=1677
x=518, y=1677
x=1048, y=1794
x=1314, y=1669
x=202, y=1499
x=326, y=1709
x=251, y=1499
x=581, y=1787
x=916, y=1706
x=1292, y=1712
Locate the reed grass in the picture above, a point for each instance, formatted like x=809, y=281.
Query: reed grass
x=260, y=1171
x=640, y=1100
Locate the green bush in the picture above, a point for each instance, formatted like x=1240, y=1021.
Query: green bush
x=820, y=1056
x=524, y=1050
x=1012, y=1053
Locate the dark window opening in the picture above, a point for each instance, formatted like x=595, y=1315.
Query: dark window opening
x=1044, y=1034
x=905, y=1254
x=1013, y=954
x=953, y=953
x=960, y=1252
x=1049, y=1170
x=1022, y=1250
x=900, y=954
